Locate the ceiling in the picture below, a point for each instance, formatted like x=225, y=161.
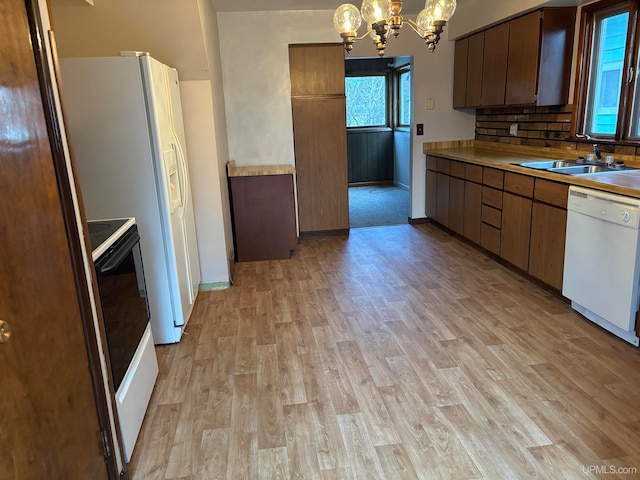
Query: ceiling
x=409, y=6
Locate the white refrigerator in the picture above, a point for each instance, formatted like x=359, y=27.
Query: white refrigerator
x=124, y=117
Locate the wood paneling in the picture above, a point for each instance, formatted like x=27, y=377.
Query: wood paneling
x=370, y=156
x=494, y=64
x=312, y=69
x=320, y=137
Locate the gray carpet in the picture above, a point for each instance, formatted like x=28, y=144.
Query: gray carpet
x=378, y=205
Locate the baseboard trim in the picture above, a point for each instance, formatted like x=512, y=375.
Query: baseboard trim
x=324, y=233
x=418, y=221
x=210, y=286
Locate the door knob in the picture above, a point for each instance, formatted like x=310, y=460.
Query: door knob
x=5, y=331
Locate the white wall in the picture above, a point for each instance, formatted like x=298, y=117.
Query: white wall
x=257, y=88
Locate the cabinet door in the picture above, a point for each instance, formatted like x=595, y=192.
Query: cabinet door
x=524, y=52
x=460, y=73
x=320, y=144
x=472, y=211
x=494, y=64
x=432, y=195
x=474, y=70
x=548, y=226
x=516, y=229
x=316, y=69
x=456, y=205
x=442, y=200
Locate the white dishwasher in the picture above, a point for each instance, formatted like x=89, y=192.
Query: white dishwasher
x=601, y=271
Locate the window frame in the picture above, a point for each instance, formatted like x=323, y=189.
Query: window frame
x=398, y=72
x=583, y=69
x=388, y=95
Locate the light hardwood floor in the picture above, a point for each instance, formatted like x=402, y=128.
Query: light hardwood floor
x=396, y=353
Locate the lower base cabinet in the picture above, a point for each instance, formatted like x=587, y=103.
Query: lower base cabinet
x=472, y=211
x=516, y=229
x=546, y=262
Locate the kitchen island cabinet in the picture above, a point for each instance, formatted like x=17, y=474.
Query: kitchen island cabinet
x=263, y=210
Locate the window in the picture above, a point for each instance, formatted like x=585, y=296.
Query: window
x=607, y=107
x=366, y=101
x=404, y=98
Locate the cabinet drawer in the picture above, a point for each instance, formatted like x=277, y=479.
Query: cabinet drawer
x=550, y=192
x=473, y=173
x=492, y=216
x=490, y=238
x=457, y=169
x=518, y=184
x=492, y=197
x=493, y=177
x=432, y=163
x=444, y=165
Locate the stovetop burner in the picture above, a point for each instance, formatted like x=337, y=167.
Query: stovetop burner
x=101, y=230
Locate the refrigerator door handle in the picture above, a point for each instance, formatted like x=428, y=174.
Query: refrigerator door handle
x=183, y=174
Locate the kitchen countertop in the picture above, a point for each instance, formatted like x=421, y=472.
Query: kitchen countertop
x=504, y=156
x=258, y=170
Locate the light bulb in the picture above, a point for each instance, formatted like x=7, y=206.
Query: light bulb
x=346, y=18
x=425, y=21
x=374, y=11
x=441, y=9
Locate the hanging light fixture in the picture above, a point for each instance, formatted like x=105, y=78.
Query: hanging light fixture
x=383, y=18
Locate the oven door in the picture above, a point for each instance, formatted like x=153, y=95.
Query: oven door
x=124, y=302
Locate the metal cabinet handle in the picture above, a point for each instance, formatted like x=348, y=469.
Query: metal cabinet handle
x=5, y=331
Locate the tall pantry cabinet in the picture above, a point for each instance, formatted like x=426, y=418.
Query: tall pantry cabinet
x=320, y=138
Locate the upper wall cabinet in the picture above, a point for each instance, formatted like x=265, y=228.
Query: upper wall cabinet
x=312, y=72
x=526, y=61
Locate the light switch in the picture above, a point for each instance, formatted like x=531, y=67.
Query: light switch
x=420, y=129
x=429, y=103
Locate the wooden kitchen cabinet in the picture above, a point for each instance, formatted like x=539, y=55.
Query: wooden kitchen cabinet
x=526, y=61
x=442, y=199
x=492, y=200
x=456, y=205
x=538, y=71
x=494, y=65
x=431, y=194
x=473, y=203
x=548, y=227
x=516, y=230
x=263, y=209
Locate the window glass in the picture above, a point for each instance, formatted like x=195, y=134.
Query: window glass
x=366, y=101
x=605, y=77
x=404, y=98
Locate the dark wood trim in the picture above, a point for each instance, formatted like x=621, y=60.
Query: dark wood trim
x=371, y=184
x=324, y=233
x=56, y=141
x=418, y=221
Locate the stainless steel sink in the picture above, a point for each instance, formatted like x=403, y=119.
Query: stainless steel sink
x=580, y=169
x=573, y=167
x=547, y=164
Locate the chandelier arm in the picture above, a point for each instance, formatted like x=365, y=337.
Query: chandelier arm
x=364, y=36
x=414, y=26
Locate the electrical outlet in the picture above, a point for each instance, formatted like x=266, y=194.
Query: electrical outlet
x=429, y=103
x=513, y=129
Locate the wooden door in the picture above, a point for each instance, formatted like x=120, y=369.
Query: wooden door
x=49, y=425
x=494, y=64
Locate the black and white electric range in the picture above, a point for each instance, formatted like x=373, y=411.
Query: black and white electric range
x=117, y=258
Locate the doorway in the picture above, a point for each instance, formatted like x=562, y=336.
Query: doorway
x=379, y=114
